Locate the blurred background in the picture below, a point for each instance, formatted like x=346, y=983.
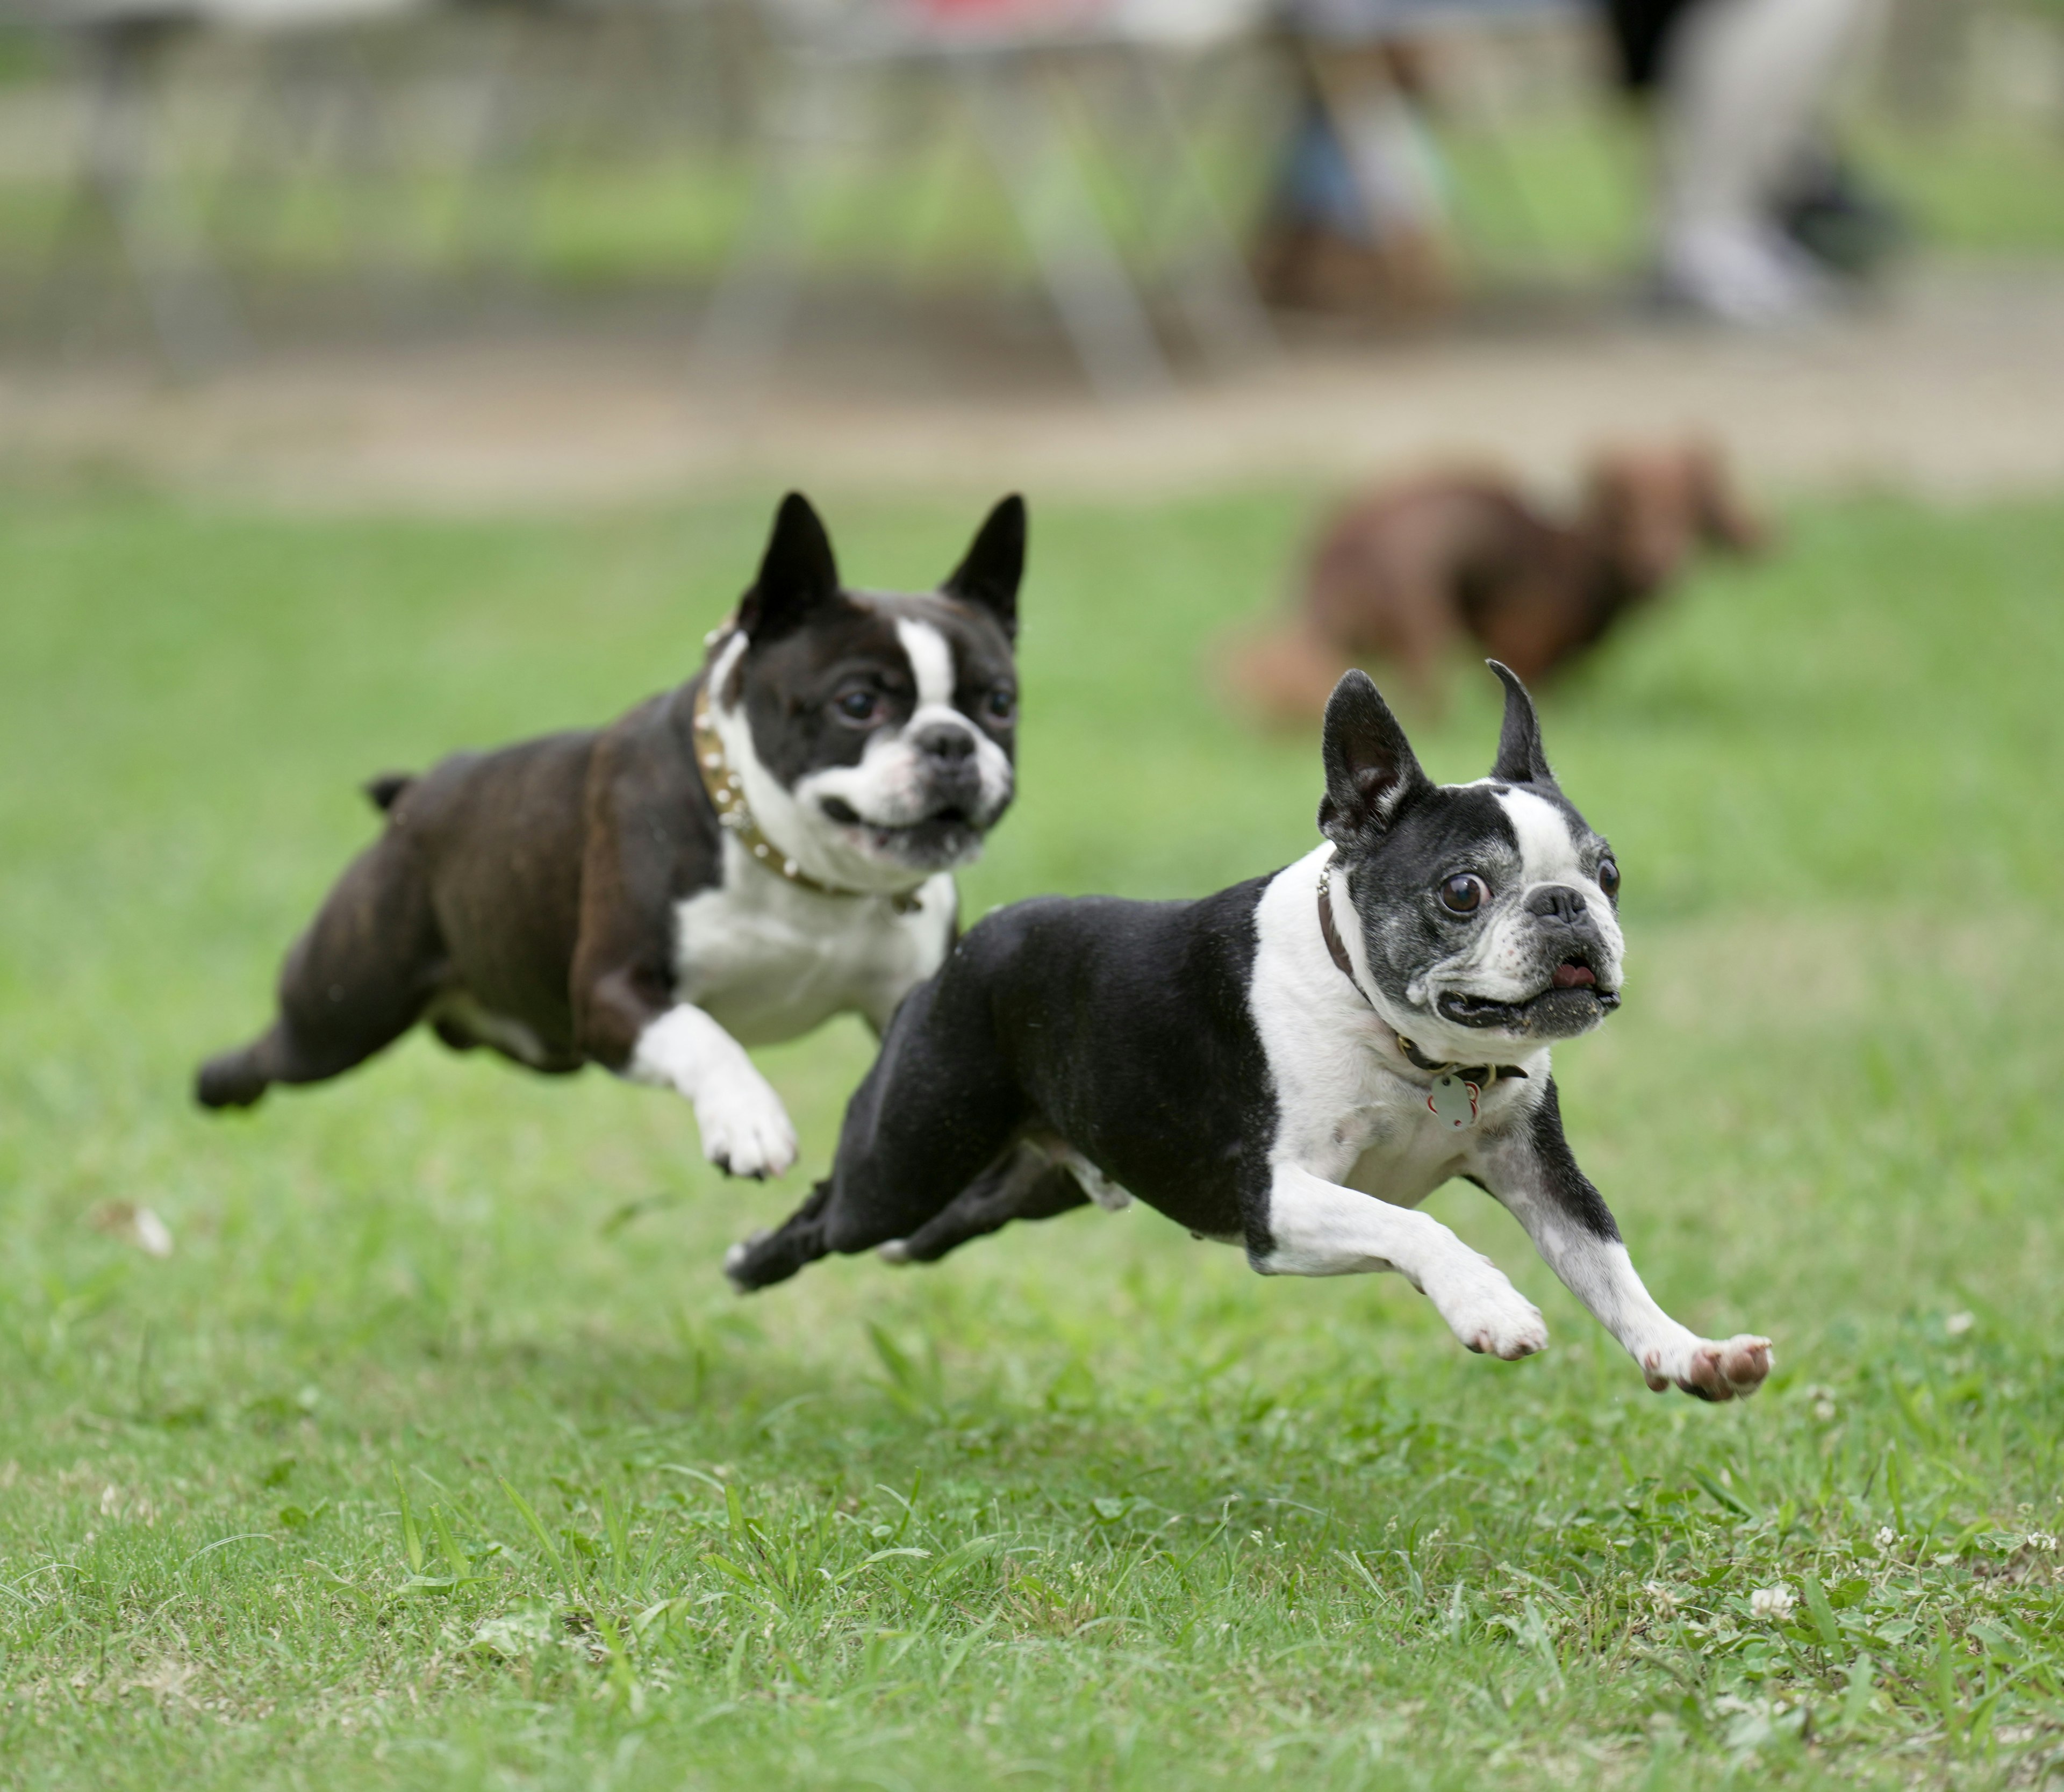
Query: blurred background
x=500, y=250
x=381, y=378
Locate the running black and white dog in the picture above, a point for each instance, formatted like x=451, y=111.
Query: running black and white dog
x=1292, y=1065
x=730, y=864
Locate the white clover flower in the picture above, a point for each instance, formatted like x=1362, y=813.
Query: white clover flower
x=2042, y=1539
x=1665, y=1599
x=1958, y=1323
x=1772, y=1602
x=1886, y=1536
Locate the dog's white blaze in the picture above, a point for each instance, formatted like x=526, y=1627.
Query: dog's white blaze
x=931, y=659
x=932, y=668
x=1547, y=853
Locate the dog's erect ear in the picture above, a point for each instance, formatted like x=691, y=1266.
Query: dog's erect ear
x=1522, y=760
x=995, y=563
x=796, y=574
x=1371, y=770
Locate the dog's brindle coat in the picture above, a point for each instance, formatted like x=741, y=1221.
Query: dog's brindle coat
x=574, y=898
x=1214, y=1059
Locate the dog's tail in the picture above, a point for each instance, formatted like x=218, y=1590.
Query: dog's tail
x=386, y=790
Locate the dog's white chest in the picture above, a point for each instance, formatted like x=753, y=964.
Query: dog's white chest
x=768, y=960
x=1402, y=1150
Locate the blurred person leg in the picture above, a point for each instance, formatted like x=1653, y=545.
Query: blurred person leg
x=1744, y=84
x=1370, y=103
x=1360, y=211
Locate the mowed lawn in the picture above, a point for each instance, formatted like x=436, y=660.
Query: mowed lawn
x=437, y=1453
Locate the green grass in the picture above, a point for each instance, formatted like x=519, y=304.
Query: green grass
x=437, y=1454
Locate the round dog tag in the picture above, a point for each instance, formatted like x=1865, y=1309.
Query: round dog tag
x=1453, y=1101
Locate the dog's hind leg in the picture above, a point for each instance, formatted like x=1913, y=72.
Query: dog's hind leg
x=1024, y=1184
x=766, y=1257
x=938, y=1110
x=356, y=981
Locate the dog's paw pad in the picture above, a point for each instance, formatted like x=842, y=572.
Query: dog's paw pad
x=1744, y=1362
x=1730, y=1370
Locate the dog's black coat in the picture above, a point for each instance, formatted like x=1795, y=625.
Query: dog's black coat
x=1096, y=1021
x=1236, y=1064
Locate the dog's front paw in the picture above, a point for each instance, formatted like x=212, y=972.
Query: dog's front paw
x=1732, y=1369
x=1486, y=1312
x=746, y=1131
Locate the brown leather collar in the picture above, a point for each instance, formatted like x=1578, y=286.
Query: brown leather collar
x=727, y=791
x=1482, y=1075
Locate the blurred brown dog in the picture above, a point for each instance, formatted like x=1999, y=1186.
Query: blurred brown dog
x=1403, y=573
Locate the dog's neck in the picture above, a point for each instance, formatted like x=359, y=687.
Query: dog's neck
x=1481, y=1074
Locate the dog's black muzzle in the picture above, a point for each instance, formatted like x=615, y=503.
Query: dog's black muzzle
x=1572, y=957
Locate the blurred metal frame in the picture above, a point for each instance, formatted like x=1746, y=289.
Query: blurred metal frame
x=119, y=51
x=122, y=49
x=1018, y=85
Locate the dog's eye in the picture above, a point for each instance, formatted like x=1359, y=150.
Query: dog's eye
x=858, y=705
x=1464, y=893
x=1609, y=877
x=1001, y=704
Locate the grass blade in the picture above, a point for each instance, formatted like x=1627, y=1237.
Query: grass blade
x=412, y=1539
x=545, y=1543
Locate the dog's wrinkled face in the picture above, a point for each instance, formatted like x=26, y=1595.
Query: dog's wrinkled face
x=874, y=732
x=1488, y=911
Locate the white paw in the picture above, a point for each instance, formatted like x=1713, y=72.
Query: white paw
x=1731, y=1369
x=1484, y=1310
x=896, y=1251
x=746, y=1131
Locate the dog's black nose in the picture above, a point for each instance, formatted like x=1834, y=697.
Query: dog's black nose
x=1557, y=901
x=943, y=741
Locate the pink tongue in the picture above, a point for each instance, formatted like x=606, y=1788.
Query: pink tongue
x=1574, y=976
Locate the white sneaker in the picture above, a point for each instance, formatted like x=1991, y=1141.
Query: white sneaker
x=1741, y=273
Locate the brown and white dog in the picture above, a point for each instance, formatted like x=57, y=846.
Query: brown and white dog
x=731, y=863
x=1403, y=573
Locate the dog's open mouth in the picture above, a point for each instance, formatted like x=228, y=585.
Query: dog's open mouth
x=1573, y=1001
x=937, y=839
